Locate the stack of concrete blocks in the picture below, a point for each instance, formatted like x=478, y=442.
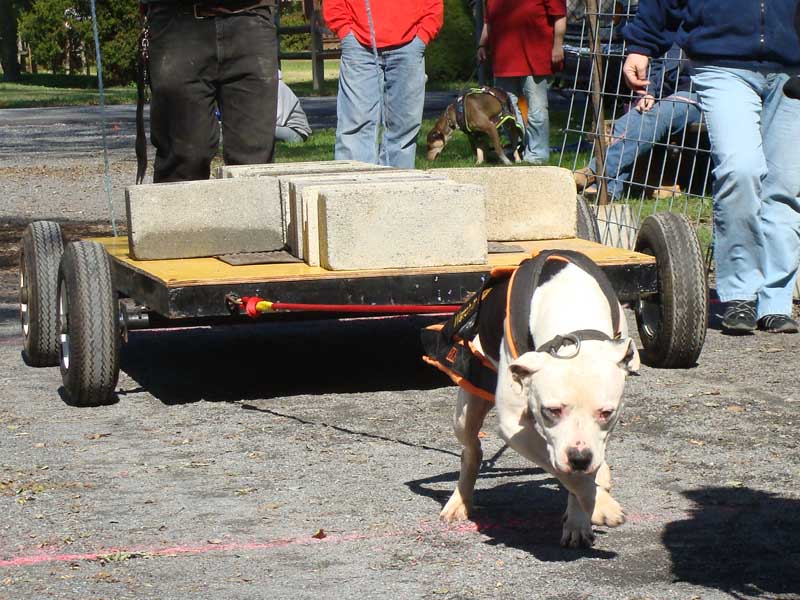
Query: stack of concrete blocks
x=344, y=216
x=277, y=172
x=241, y=213
x=301, y=193
x=524, y=203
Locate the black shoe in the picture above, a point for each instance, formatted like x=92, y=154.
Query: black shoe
x=777, y=324
x=739, y=317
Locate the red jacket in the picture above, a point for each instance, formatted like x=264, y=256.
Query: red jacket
x=395, y=22
x=521, y=36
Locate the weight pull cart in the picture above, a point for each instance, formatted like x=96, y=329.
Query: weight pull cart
x=79, y=300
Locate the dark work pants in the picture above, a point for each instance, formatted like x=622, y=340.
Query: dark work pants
x=197, y=65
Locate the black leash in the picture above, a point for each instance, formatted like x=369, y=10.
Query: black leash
x=142, y=80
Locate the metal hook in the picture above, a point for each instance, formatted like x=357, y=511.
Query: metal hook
x=564, y=339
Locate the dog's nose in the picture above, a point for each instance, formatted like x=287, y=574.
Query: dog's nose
x=579, y=458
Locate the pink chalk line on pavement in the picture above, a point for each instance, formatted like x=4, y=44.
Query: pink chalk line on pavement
x=467, y=527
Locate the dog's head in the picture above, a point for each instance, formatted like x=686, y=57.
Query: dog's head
x=440, y=133
x=575, y=402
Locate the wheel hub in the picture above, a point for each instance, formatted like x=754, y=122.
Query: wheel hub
x=24, y=314
x=63, y=327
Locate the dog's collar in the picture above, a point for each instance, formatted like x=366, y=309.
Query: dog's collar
x=573, y=338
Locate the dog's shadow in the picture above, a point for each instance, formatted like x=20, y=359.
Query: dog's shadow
x=523, y=513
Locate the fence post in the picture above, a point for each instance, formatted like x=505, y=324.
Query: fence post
x=310, y=8
x=592, y=12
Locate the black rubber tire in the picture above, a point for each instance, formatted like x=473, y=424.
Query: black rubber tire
x=39, y=255
x=586, y=227
x=88, y=321
x=672, y=326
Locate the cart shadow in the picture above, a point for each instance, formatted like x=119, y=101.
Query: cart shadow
x=258, y=361
x=522, y=514
x=738, y=540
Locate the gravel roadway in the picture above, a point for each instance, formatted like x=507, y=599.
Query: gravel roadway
x=311, y=460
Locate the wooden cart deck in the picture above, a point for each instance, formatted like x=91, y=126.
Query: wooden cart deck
x=196, y=287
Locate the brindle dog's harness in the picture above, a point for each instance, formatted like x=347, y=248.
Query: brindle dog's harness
x=505, y=116
x=507, y=293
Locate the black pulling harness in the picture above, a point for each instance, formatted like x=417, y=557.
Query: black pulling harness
x=502, y=307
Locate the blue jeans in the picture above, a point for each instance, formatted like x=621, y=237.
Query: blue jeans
x=401, y=76
x=753, y=129
x=636, y=132
x=537, y=131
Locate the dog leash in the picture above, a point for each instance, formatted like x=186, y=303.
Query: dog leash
x=381, y=83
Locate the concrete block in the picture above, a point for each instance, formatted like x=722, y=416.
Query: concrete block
x=524, y=203
x=203, y=218
x=275, y=169
x=303, y=239
x=295, y=168
x=401, y=225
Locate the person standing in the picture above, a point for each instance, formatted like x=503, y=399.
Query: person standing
x=742, y=52
x=525, y=40
x=401, y=31
x=203, y=56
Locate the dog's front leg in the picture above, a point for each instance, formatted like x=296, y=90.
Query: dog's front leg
x=470, y=413
x=589, y=503
x=478, y=155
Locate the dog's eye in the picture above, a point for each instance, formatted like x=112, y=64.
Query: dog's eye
x=552, y=413
x=605, y=415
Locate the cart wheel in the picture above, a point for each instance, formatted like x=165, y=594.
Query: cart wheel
x=88, y=324
x=672, y=324
x=586, y=226
x=39, y=254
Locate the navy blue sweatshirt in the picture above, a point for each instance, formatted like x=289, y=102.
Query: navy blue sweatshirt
x=734, y=33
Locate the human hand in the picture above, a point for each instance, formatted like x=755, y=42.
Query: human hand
x=645, y=103
x=481, y=54
x=635, y=71
x=557, y=56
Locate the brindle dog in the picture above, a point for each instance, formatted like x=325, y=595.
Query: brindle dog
x=483, y=112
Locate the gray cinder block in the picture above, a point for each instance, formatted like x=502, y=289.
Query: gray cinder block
x=402, y=224
x=303, y=239
x=203, y=218
x=524, y=203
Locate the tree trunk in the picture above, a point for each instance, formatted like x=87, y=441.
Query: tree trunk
x=8, y=41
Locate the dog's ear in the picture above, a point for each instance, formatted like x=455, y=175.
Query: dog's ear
x=525, y=366
x=627, y=356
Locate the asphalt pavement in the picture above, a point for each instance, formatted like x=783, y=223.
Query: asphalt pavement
x=310, y=460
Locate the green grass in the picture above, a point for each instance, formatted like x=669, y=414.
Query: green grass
x=43, y=89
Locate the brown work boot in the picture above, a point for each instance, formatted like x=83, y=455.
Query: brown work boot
x=583, y=177
x=666, y=192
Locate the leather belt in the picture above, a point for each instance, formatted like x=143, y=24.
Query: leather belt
x=207, y=10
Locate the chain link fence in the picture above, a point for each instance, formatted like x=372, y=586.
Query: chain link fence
x=631, y=157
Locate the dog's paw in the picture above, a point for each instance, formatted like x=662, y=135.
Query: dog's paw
x=577, y=532
x=607, y=511
x=455, y=509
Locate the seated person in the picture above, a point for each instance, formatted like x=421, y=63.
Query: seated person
x=291, y=124
x=646, y=124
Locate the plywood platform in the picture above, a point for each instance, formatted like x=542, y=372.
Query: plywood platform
x=203, y=271
x=197, y=287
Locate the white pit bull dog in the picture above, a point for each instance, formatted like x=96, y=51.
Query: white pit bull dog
x=563, y=357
